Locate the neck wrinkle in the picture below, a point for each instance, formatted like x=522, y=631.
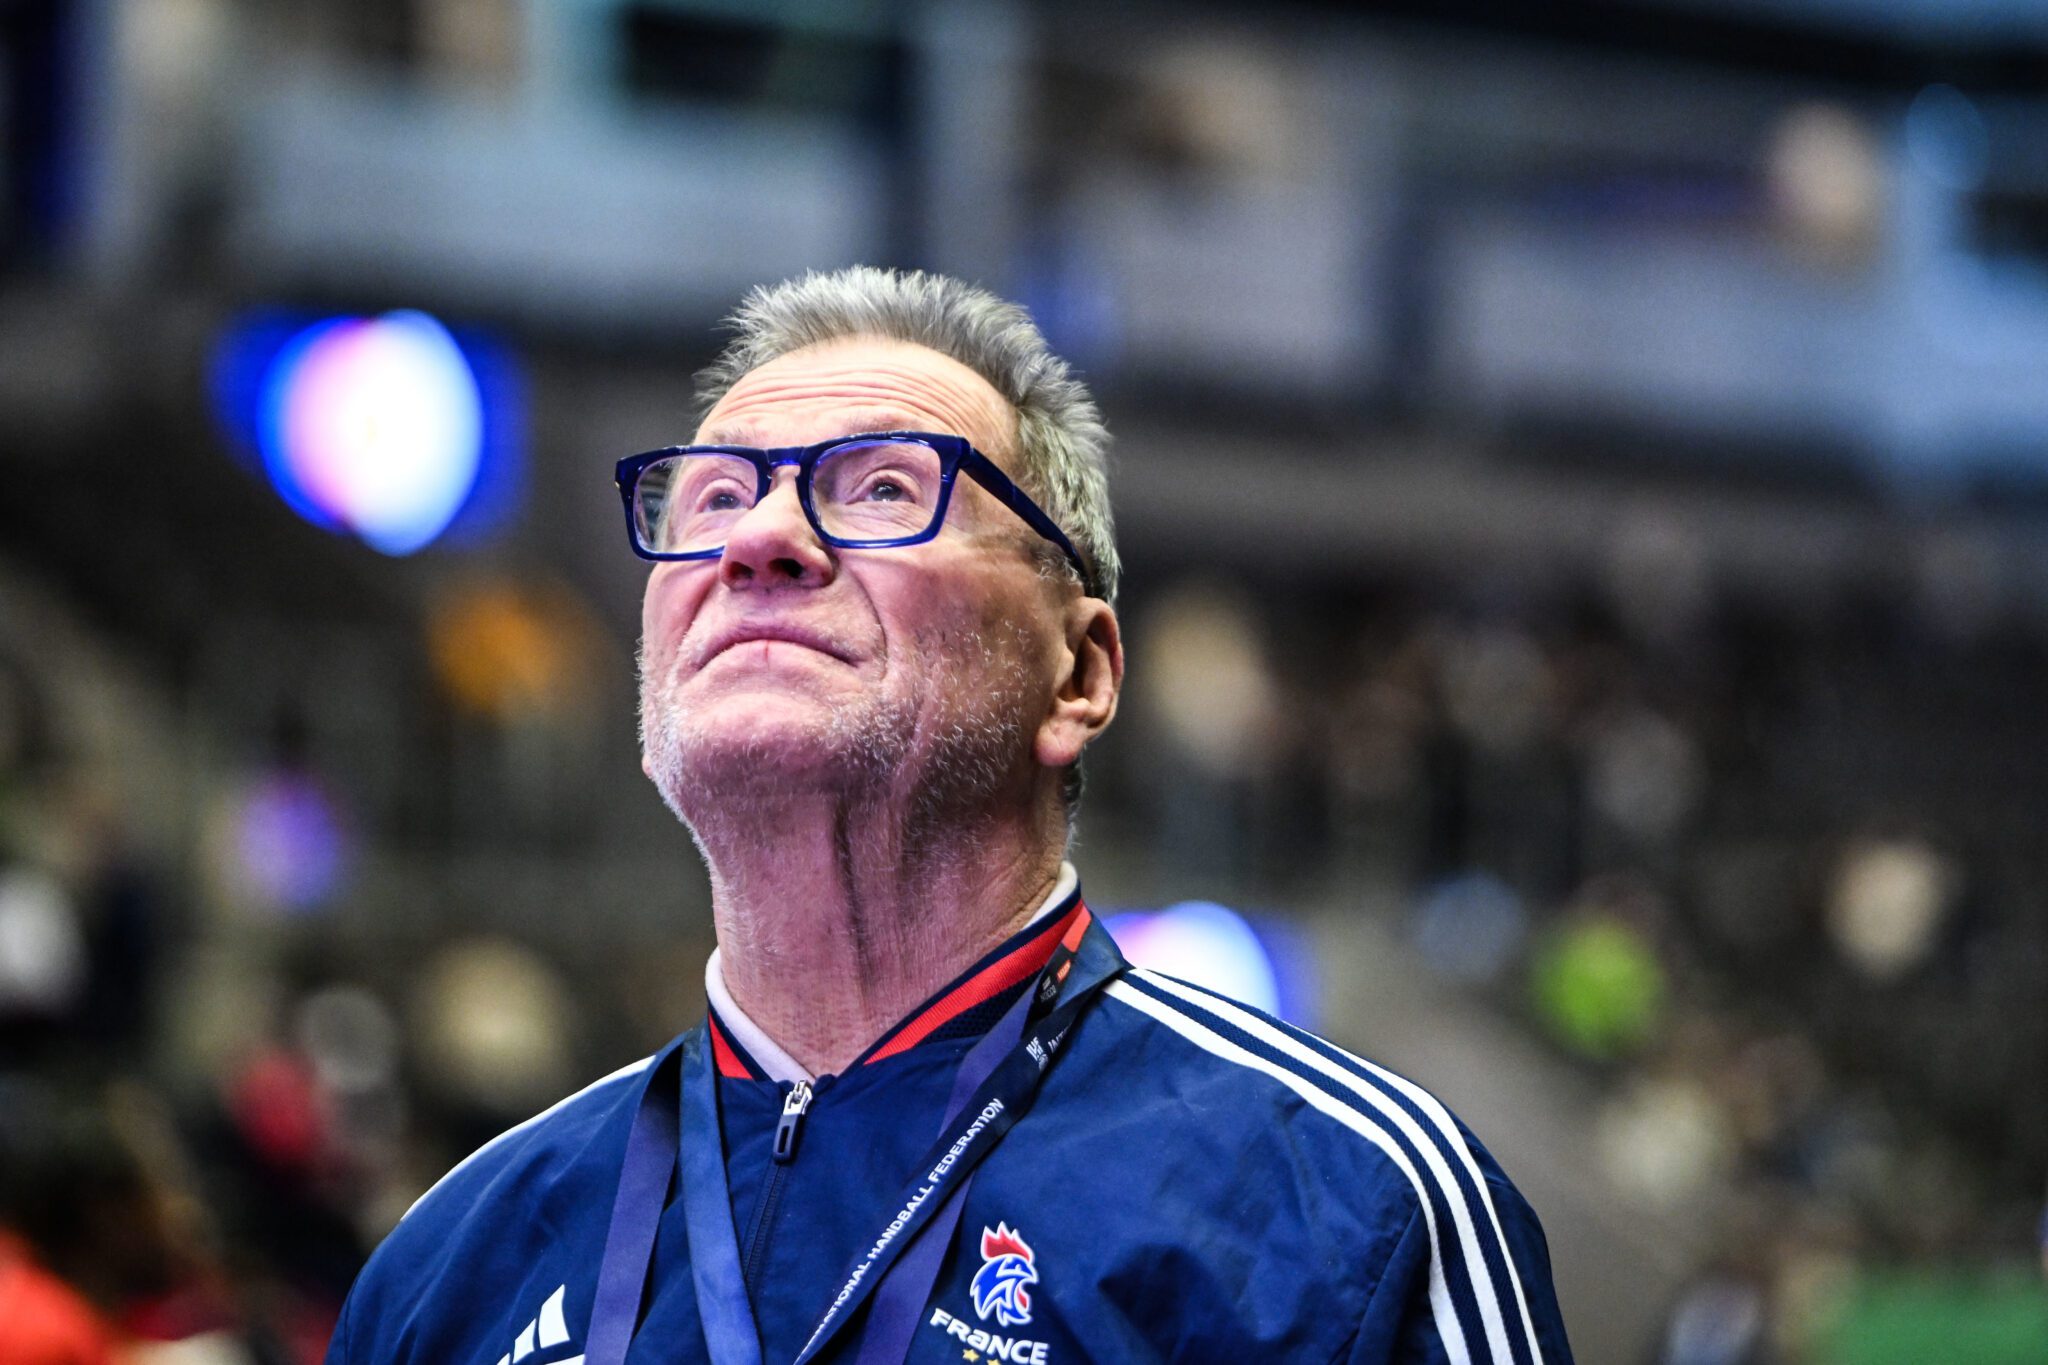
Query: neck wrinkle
x=826, y=943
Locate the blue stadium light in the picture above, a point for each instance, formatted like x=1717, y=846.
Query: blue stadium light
x=391, y=429
x=1214, y=946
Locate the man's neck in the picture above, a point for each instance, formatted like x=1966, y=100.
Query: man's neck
x=826, y=942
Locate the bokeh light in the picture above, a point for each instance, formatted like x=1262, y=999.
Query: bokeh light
x=389, y=428
x=1205, y=943
x=290, y=848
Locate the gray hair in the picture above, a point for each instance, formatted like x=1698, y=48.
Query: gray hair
x=1061, y=442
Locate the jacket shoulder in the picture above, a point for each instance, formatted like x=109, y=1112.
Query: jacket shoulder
x=1450, y=1232
x=1235, y=1044
x=541, y=1186
x=1354, y=1111
x=555, y=1135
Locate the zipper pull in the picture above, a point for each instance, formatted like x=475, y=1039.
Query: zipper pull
x=794, y=1106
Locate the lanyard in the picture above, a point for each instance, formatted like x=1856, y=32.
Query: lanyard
x=993, y=1088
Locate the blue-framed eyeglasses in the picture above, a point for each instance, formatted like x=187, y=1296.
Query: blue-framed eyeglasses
x=874, y=491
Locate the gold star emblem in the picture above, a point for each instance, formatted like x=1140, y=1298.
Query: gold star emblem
x=969, y=1355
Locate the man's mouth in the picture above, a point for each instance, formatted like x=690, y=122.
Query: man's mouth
x=767, y=636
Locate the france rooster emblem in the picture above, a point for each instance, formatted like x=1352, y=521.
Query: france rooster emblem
x=1006, y=1267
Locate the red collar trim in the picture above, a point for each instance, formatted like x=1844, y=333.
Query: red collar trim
x=1013, y=966
x=1019, y=964
x=726, y=1055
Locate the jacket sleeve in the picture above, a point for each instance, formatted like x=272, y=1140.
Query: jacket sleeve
x=1397, y=1326
x=338, y=1344
x=1401, y=1327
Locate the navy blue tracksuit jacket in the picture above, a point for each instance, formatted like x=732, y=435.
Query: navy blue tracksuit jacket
x=1196, y=1181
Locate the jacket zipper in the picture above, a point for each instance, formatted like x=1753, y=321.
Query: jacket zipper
x=794, y=1106
x=788, y=1131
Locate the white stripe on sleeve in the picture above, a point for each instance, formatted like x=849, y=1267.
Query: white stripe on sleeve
x=1451, y=1139
x=1445, y=1313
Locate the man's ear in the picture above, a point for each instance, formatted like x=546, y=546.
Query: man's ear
x=1085, y=695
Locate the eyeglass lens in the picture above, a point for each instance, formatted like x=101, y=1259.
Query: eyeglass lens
x=863, y=490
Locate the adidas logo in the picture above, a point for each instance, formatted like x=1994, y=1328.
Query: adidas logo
x=543, y=1332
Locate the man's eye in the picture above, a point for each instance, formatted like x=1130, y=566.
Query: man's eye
x=718, y=499
x=887, y=490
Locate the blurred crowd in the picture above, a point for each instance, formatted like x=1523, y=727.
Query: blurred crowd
x=142, y=1216
x=212, y=1103
x=1764, y=869
x=1766, y=866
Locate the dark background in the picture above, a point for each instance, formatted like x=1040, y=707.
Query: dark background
x=1583, y=471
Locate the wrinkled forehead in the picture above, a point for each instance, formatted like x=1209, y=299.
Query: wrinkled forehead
x=861, y=384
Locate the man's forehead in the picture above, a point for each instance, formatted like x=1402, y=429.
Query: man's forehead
x=861, y=384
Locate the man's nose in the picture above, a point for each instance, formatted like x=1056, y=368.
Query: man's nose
x=774, y=545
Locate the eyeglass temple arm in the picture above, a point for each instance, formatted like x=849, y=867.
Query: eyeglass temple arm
x=989, y=475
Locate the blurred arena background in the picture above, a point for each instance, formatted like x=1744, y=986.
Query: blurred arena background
x=1584, y=475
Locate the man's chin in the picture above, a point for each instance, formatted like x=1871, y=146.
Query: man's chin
x=780, y=724
x=762, y=749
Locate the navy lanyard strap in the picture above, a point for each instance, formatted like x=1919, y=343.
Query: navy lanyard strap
x=992, y=1090
x=1063, y=989
x=636, y=1215
x=650, y=1161
x=730, y=1332
x=902, y=1294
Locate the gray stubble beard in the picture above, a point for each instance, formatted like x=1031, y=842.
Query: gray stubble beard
x=724, y=790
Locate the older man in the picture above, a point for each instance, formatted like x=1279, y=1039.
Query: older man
x=932, y=1114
